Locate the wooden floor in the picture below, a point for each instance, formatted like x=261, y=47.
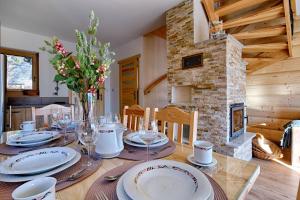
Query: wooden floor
x=275, y=182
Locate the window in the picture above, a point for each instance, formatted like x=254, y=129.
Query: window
x=19, y=72
x=21, y=69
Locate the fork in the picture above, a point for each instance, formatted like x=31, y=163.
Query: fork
x=101, y=196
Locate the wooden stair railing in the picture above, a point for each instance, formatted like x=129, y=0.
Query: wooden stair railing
x=263, y=26
x=154, y=83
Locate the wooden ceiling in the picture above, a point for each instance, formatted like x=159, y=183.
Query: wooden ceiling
x=263, y=26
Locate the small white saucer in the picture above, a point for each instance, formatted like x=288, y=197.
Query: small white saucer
x=192, y=160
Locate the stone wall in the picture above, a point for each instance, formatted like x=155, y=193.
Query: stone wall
x=220, y=82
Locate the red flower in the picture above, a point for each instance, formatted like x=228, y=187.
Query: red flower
x=101, y=80
x=77, y=65
x=92, y=89
x=101, y=68
x=60, y=48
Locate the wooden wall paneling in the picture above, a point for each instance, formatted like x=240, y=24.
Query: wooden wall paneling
x=274, y=89
x=274, y=78
x=267, y=123
x=274, y=100
x=270, y=111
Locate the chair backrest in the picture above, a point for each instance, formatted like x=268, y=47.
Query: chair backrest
x=169, y=116
x=46, y=112
x=132, y=115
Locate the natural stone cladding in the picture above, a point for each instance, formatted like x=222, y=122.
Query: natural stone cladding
x=220, y=82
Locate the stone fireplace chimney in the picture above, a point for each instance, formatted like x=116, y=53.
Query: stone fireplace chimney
x=211, y=88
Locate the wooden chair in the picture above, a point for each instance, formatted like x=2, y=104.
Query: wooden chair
x=132, y=115
x=42, y=116
x=169, y=116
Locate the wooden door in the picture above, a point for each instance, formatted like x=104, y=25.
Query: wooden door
x=129, y=81
x=100, y=102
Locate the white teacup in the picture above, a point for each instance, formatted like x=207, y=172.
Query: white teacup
x=28, y=126
x=203, y=151
x=40, y=188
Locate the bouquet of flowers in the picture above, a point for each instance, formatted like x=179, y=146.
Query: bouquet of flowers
x=84, y=72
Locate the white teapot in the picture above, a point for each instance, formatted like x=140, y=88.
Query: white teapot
x=110, y=140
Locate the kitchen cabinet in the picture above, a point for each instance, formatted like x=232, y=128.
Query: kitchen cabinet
x=14, y=118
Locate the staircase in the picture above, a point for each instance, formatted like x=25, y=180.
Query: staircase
x=263, y=26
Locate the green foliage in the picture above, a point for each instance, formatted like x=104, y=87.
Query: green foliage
x=86, y=71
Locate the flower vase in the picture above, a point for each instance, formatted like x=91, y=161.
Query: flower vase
x=88, y=101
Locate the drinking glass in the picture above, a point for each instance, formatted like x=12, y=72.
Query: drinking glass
x=154, y=126
x=64, y=121
x=102, y=120
x=109, y=118
x=116, y=118
x=147, y=138
x=55, y=118
x=88, y=138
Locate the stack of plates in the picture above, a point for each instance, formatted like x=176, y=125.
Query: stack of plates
x=37, y=163
x=32, y=139
x=133, y=139
x=164, y=179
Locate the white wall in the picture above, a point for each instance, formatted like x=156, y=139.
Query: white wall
x=201, y=28
x=32, y=42
x=133, y=47
x=155, y=65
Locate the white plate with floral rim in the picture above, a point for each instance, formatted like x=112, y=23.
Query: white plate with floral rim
x=37, y=161
x=33, y=144
x=135, y=138
x=121, y=194
x=33, y=137
x=22, y=178
x=166, y=179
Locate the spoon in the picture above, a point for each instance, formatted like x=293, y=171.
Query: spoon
x=113, y=178
x=73, y=176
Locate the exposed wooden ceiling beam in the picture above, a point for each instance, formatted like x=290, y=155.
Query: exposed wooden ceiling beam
x=268, y=14
x=261, y=33
x=210, y=10
x=271, y=47
x=239, y=5
x=286, y=5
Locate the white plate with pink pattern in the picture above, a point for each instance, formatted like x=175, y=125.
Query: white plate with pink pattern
x=168, y=180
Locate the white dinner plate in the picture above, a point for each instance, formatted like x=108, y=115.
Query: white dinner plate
x=33, y=144
x=192, y=160
x=22, y=178
x=121, y=194
x=144, y=145
x=135, y=137
x=166, y=179
x=32, y=137
x=37, y=161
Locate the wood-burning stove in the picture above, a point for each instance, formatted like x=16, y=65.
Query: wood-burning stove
x=237, y=122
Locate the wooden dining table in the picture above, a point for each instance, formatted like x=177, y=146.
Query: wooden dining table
x=236, y=177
